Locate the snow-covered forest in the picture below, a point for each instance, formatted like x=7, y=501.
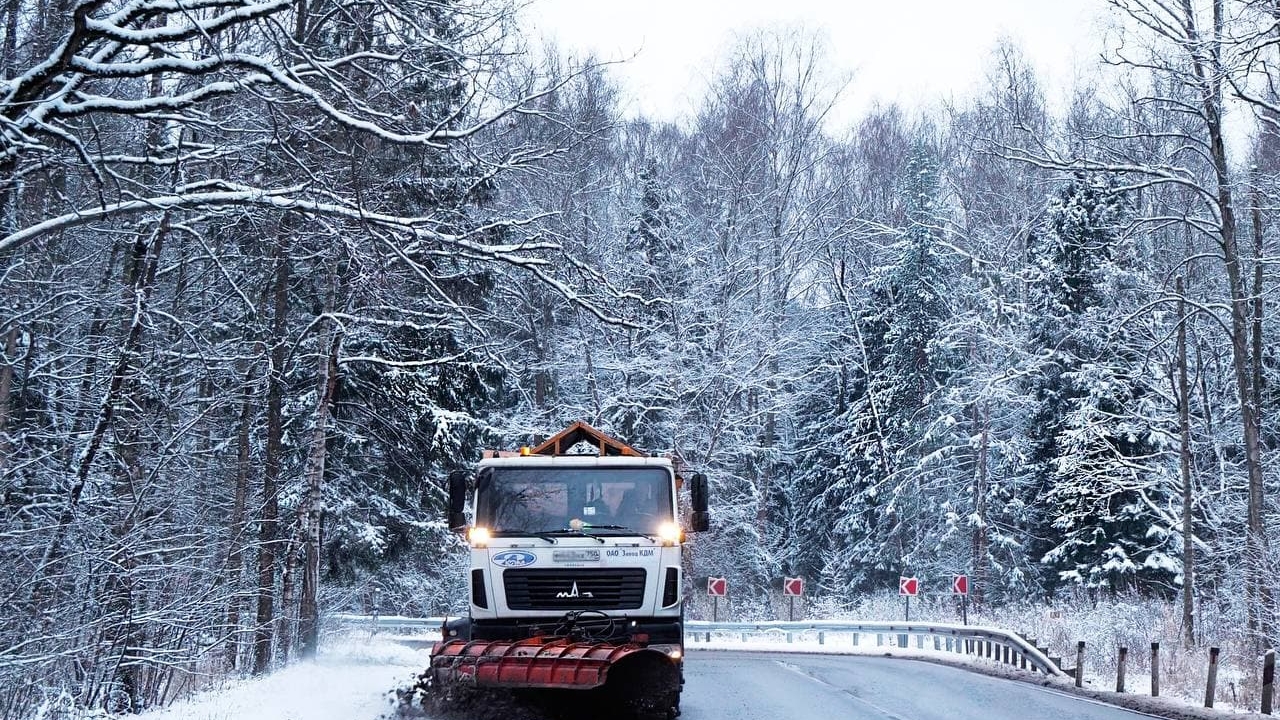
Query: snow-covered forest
x=270, y=269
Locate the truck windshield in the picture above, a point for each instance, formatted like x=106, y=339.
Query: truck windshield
x=547, y=499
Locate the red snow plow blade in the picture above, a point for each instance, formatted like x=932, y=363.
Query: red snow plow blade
x=529, y=663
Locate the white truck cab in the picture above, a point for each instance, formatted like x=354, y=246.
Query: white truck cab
x=592, y=540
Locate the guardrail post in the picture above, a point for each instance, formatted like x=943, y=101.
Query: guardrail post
x=822, y=639
x=919, y=642
x=1080, y=664
x=1155, y=669
x=744, y=636
x=1124, y=653
x=1008, y=655
x=879, y=639
x=790, y=637
x=855, y=639
x=937, y=643
x=1211, y=685
x=1268, y=679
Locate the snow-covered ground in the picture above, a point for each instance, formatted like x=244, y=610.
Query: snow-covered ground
x=354, y=678
x=357, y=675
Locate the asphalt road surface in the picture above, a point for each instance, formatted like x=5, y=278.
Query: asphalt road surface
x=771, y=686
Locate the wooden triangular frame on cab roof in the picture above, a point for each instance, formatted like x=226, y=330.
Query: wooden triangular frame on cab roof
x=579, y=432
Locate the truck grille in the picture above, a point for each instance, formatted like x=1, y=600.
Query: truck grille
x=611, y=589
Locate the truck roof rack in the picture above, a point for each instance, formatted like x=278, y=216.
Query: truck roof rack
x=580, y=432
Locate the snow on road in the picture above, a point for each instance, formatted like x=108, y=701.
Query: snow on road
x=354, y=678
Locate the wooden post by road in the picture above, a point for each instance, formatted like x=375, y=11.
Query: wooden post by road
x=1155, y=669
x=1212, y=685
x=1080, y=664
x=1268, y=679
x=1124, y=653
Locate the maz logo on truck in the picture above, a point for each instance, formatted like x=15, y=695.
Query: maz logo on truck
x=573, y=593
x=514, y=559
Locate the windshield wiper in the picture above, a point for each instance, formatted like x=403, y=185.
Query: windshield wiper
x=628, y=528
x=578, y=533
x=540, y=534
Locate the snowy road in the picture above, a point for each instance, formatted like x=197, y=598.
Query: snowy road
x=771, y=686
x=356, y=679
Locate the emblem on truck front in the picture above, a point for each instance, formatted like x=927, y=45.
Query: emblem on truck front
x=514, y=559
x=573, y=593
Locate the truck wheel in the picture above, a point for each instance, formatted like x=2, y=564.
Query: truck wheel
x=646, y=685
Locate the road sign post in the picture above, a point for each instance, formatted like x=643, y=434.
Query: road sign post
x=908, y=587
x=960, y=586
x=717, y=587
x=792, y=588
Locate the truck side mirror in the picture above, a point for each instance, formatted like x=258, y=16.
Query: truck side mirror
x=457, y=500
x=698, y=497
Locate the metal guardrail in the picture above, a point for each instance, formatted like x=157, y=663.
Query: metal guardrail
x=994, y=643
x=390, y=622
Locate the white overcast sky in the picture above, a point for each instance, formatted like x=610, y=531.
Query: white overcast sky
x=912, y=51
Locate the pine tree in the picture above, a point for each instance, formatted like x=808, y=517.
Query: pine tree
x=1093, y=444
x=892, y=518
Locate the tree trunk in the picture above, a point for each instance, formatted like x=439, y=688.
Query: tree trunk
x=593, y=385
x=1257, y=591
x=268, y=524
x=6, y=391
x=1184, y=457
x=121, y=598
x=9, y=53
x=1257, y=526
x=237, y=526
x=982, y=413
x=308, y=612
x=288, y=615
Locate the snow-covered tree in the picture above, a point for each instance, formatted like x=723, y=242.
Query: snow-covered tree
x=1096, y=450
x=897, y=513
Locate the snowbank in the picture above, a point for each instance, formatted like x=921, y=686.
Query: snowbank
x=353, y=679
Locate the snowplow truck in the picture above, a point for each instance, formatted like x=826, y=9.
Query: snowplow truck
x=576, y=575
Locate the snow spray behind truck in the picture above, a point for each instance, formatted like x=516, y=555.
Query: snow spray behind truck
x=575, y=581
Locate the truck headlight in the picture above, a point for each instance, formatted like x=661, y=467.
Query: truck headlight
x=478, y=536
x=670, y=533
